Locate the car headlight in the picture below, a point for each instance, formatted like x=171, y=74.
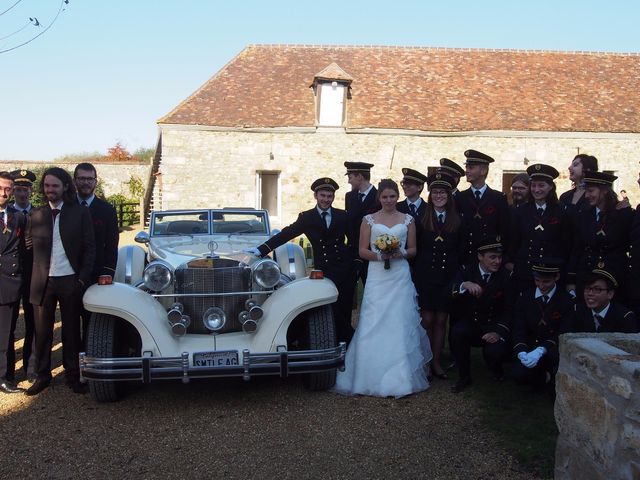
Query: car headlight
x=266, y=273
x=214, y=319
x=157, y=276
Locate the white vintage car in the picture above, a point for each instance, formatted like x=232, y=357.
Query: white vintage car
x=197, y=305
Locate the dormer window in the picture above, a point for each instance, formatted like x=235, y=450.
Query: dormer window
x=331, y=87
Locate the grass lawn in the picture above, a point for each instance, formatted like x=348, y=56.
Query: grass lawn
x=522, y=420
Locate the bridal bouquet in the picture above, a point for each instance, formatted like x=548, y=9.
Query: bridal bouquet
x=388, y=244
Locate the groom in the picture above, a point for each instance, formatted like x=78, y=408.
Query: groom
x=326, y=228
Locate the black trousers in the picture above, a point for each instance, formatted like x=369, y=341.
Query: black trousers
x=537, y=375
x=6, y=313
x=342, y=307
x=67, y=293
x=29, y=332
x=465, y=335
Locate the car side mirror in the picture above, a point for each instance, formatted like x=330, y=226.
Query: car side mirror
x=142, y=237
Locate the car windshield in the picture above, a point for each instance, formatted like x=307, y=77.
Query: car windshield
x=198, y=222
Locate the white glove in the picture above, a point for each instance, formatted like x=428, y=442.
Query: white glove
x=523, y=357
x=253, y=251
x=534, y=356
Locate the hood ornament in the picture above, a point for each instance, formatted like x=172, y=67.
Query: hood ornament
x=213, y=245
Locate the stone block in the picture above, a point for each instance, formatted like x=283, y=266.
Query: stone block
x=620, y=386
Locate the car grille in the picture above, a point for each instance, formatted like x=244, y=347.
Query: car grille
x=225, y=276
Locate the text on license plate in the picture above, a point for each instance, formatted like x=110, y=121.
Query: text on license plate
x=215, y=359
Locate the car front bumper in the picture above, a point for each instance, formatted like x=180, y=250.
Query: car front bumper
x=148, y=369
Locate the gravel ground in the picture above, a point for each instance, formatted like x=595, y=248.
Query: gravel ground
x=265, y=428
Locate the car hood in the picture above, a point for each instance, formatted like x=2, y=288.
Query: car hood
x=182, y=249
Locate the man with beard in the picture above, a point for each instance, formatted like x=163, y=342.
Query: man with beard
x=105, y=229
x=12, y=247
x=519, y=190
x=61, y=235
x=326, y=228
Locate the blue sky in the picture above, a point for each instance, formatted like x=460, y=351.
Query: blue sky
x=108, y=69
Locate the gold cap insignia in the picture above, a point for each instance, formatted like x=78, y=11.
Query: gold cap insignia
x=23, y=173
x=538, y=167
x=600, y=264
x=438, y=176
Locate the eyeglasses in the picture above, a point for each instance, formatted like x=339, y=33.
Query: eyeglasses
x=85, y=179
x=596, y=290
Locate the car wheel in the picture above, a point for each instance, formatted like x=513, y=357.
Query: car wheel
x=106, y=339
x=321, y=334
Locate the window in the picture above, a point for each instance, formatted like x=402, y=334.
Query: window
x=331, y=104
x=268, y=188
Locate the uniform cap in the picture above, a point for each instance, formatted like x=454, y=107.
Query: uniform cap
x=475, y=157
x=413, y=176
x=599, y=178
x=354, y=167
x=23, y=177
x=325, y=183
x=451, y=167
x=441, y=179
x=540, y=171
x=489, y=243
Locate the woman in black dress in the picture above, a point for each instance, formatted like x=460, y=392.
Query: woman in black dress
x=440, y=250
x=539, y=228
x=573, y=199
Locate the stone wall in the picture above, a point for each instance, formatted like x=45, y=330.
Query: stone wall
x=597, y=407
x=208, y=168
x=114, y=177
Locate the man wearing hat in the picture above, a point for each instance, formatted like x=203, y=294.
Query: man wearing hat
x=12, y=248
x=326, y=229
x=485, y=211
x=360, y=201
x=454, y=170
x=601, y=234
x=412, y=184
x=599, y=312
x=540, y=315
x=481, y=312
x=22, y=189
x=539, y=228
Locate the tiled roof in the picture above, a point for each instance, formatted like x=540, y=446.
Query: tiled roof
x=429, y=89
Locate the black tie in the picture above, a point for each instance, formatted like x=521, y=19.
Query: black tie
x=540, y=211
x=412, y=207
x=324, y=218
x=361, y=197
x=440, y=218
x=485, y=277
x=54, y=214
x=545, y=299
x=597, y=320
x=25, y=211
x=84, y=203
x=478, y=195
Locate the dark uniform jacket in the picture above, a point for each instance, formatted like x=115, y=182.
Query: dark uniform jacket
x=12, y=256
x=633, y=285
x=566, y=198
x=403, y=207
x=330, y=253
x=618, y=319
x=490, y=217
x=440, y=254
x=491, y=312
x=533, y=237
x=105, y=229
x=76, y=233
x=601, y=245
x=536, y=324
x=356, y=210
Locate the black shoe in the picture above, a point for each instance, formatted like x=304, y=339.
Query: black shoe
x=461, y=384
x=8, y=387
x=39, y=385
x=78, y=387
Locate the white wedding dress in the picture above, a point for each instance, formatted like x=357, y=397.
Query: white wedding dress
x=389, y=349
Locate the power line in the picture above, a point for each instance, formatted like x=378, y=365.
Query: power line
x=10, y=7
x=35, y=23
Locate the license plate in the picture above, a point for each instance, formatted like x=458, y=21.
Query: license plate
x=215, y=359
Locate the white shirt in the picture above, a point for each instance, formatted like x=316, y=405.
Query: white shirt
x=417, y=203
x=549, y=295
x=20, y=209
x=366, y=192
x=59, y=265
x=481, y=190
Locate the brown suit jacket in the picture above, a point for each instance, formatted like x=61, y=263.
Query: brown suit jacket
x=76, y=232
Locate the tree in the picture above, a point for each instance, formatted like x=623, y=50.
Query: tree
x=118, y=153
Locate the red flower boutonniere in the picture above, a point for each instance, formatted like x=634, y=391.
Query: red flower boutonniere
x=554, y=221
x=490, y=210
x=18, y=232
x=555, y=316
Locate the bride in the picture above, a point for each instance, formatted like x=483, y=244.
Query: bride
x=390, y=349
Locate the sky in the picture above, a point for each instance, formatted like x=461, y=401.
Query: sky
x=106, y=70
